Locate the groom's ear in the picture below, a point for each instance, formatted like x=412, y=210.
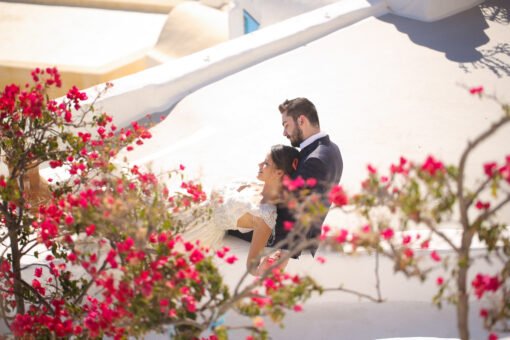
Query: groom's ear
x=301, y=120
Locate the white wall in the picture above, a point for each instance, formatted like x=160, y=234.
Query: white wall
x=268, y=12
x=159, y=88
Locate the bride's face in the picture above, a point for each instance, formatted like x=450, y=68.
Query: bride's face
x=268, y=170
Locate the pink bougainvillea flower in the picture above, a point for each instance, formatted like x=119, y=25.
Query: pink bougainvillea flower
x=72, y=257
x=311, y=182
x=321, y=259
x=482, y=205
x=293, y=184
x=387, y=233
x=493, y=336
x=196, y=256
x=439, y=280
x=371, y=169
x=400, y=168
x=298, y=308
x=38, y=272
x=288, y=225
x=337, y=196
x=432, y=166
x=342, y=236
x=435, y=256
x=69, y=219
x=90, y=229
x=485, y=283
x=232, y=259
x=484, y=313
x=476, y=90
x=490, y=169
x=325, y=231
x=408, y=252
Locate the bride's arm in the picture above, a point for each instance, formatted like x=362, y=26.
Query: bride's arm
x=261, y=234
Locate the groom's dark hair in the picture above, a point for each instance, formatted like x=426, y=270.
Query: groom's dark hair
x=300, y=106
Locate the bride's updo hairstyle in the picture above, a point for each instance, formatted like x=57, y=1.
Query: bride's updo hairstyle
x=285, y=158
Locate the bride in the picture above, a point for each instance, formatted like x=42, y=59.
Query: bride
x=248, y=207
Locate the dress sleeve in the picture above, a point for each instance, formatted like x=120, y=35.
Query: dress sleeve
x=268, y=213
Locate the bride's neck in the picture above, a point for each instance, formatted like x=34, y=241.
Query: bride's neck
x=271, y=191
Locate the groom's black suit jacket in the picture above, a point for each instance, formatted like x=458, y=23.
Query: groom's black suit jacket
x=320, y=160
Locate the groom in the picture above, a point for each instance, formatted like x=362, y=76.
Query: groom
x=319, y=158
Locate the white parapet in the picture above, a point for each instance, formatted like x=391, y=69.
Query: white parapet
x=159, y=88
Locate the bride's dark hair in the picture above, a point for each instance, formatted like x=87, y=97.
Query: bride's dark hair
x=285, y=158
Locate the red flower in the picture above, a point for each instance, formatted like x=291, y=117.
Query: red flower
x=484, y=283
x=231, y=259
x=482, y=205
x=311, y=182
x=337, y=196
x=196, y=256
x=387, y=233
x=476, y=90
x=298, y=308
x=288, y=225
x=432, y=166
x=90, y=229
x=490, y=169
x=293, y=184
x=69, y=219
x=484, y=313
x=38, y=272
x=493, y=336
x=321, y=259
x=325, y=230
x=408, y=252
x=435, y=256
x=439, y=281
x=371, y=169
x=399, y=169
x=342, y=236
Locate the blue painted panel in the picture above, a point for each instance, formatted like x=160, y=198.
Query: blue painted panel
x=250, y=24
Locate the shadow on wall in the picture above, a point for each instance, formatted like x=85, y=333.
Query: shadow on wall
x=459, y=36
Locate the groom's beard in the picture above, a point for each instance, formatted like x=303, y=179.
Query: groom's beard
x=297, y=138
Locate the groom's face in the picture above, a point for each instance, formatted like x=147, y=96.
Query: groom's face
x=291, y=130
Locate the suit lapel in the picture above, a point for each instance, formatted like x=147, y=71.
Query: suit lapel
x=305, y=152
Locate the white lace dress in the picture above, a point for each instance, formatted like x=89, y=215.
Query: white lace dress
x=226, y=211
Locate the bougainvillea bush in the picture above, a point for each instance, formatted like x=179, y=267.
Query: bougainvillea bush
x=100, y=253
x=411, y=196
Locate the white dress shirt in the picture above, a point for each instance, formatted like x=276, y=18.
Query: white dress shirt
x=312, y=139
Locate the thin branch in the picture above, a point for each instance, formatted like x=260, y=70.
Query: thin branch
x=462, y=164
x=491, y=212
x=436, y=231
x=353, y=292
x=89, y=284
x=377, y=278
x=477, y=192
x=36, y=293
